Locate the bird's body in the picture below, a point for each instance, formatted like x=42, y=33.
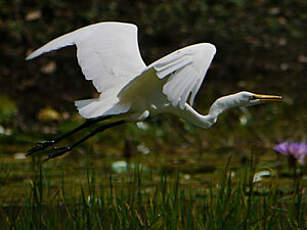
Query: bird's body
x=109, y=56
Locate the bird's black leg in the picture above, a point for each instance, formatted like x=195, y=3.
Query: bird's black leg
x=45, y=144
x=58, y=151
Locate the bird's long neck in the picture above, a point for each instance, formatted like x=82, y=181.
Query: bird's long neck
x=206, y=121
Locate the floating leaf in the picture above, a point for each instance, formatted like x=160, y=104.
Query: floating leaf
x=259, y=175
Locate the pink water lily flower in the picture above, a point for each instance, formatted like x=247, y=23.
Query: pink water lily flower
x=293, y=149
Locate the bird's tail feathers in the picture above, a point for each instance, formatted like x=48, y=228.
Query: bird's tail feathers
x=100, y=107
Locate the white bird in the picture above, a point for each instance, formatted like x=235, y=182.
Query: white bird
x=109, y=56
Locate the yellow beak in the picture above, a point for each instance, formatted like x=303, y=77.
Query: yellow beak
x=268, y=98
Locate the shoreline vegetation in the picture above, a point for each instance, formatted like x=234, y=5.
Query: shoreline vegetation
x=233, y=201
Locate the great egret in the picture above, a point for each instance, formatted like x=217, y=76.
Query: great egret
x=109, y=56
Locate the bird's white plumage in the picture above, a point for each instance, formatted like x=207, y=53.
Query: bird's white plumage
x=107, y=52
x=187, y=74
x=185, y=69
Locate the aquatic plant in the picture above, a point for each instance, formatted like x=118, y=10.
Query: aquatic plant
x=229, y=202
x=294, y=150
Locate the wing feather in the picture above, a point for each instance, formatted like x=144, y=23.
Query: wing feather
x=171, y=64
x=107, y=52
x=186, y=69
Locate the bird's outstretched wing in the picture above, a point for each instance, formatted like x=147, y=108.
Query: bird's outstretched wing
x=187, y=68
x=107, y=52
x=184, y=70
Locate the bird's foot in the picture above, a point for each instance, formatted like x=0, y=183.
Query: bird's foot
x=40, y=146
x=58, y=151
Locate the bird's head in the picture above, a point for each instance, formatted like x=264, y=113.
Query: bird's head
x=248, y=99
x=241, y=99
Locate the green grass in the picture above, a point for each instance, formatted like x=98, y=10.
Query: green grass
x=230, y=202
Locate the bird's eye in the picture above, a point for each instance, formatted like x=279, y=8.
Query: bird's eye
x=252, y=97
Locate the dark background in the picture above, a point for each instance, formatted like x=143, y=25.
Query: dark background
x=261, y=46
